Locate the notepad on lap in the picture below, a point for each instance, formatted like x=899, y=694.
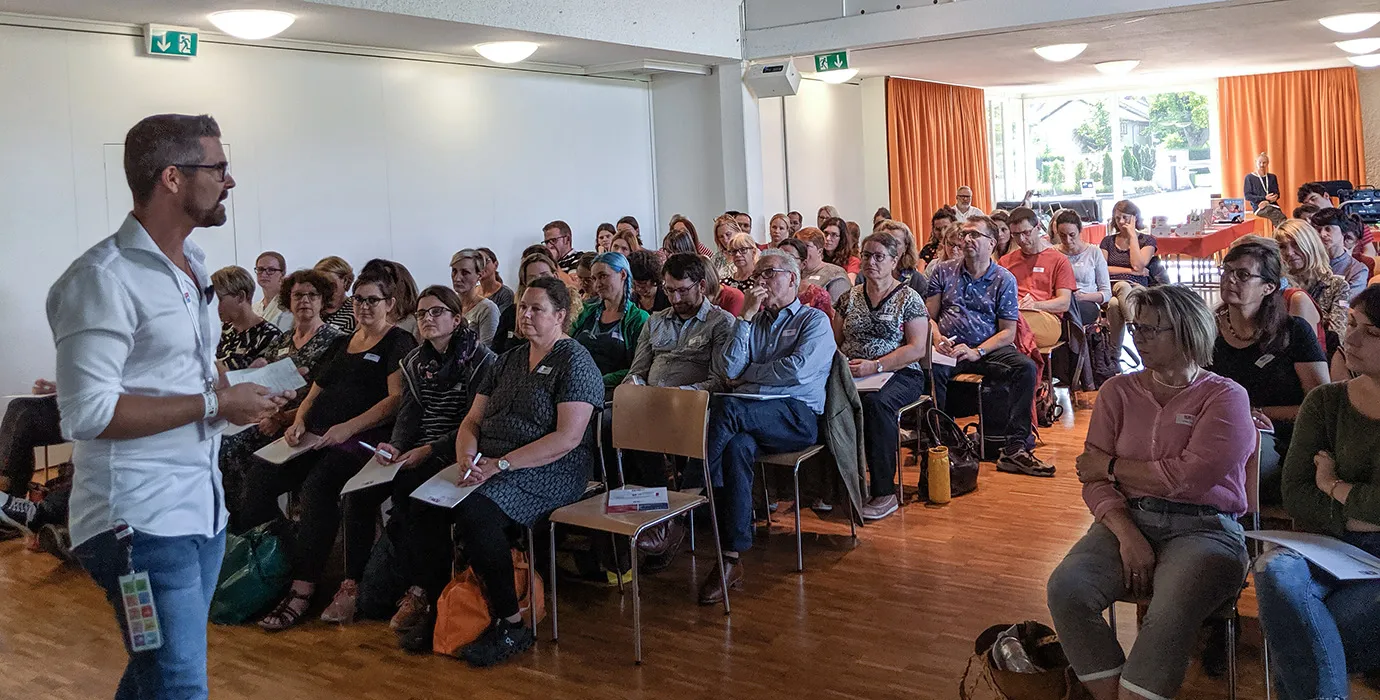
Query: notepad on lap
x=279, y=452
x=373, y=474
x=940, y=358
x=441, y=490
x=874, y=382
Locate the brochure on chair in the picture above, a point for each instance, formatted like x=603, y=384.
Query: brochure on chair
x=441, y=489
x=373, y=474
x=636, y=499
x=279, y=452
x=1343, y=561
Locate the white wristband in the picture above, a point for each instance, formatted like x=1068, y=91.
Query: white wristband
x=210, y=405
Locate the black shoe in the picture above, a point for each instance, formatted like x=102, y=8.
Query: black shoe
x=1214, y=658
x=500, y=642
x=17, y=512
x=416, y=638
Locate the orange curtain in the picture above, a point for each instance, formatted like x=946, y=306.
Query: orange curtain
x=1308, y=122
x=936, y=142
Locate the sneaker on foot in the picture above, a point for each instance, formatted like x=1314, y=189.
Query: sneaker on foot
x=820, y=507
x=880, y=507
x=500, y=642
x=1022, y=462
x=412, y=605
x=17, y=512
x=342, y=607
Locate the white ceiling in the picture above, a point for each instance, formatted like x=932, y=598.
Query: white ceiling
x=336, y=25
x=1176, y=47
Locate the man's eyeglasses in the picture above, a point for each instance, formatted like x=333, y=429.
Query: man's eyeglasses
x=870, y=257
x=552, y=241
x=218, y=170
x=677, y=292
x=1146, y=332
x=369, y=301
x=433, y=313
x=767, y=273
x=299, y=296
x=1239, y=275
x=267, y=270
x=975, y=236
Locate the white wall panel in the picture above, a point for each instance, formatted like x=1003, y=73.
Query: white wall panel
x=824, y=150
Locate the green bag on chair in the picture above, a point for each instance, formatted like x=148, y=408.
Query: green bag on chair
x=253, y=575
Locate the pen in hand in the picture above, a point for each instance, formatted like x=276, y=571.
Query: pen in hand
x=477, y=456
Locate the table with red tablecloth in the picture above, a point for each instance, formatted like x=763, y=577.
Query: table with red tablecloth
x=1094, y=233
x=1206, y=245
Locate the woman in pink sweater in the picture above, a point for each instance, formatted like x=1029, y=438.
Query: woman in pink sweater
x=1163, y=472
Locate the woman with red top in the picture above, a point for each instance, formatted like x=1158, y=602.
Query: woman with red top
x=1163, y=472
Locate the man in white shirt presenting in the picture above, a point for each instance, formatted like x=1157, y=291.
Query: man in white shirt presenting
x=963, y=204
x=139, y=392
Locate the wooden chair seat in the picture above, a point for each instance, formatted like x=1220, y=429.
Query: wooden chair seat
x=590, y=514
x=967, y=378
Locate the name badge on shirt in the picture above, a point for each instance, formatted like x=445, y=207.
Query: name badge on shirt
x=1038, y=269
x=697, y=341
x=886, y=317
x=1264, y=360
x=543, y=369
x=788, y=333
x=371, y=357
x=1184, y=419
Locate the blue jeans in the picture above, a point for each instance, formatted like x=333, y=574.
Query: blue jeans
x=1318, y=629
x=183, y=571
x=738, y=429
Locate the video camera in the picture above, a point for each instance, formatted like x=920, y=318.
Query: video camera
x=1364, y=202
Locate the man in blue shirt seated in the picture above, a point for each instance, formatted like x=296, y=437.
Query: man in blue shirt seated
x=778, y=347
x=974, y=309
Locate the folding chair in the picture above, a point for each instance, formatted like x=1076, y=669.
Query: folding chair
x=651, y=419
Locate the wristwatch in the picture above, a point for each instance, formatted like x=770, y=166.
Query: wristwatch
x=981, y=353
x=503, y=465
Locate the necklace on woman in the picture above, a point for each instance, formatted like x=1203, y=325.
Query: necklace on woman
x=1155, y=376
x=1231, y=330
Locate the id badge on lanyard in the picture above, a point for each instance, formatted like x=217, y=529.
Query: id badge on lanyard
x=136, y=597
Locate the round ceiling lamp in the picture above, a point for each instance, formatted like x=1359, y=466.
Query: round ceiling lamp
x=1368, y=61
x=1116, y=67
x=1351, y=23
x=1059, y=53
x=506, y=51
x=252, y=24
x=1359, y=46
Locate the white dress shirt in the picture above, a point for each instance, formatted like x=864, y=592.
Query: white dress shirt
x=961, y=216
x=270, y=310
x=125, y=320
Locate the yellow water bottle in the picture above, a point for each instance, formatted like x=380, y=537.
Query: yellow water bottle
x=939, y=475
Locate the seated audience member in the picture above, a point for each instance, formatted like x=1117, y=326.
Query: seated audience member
x=534, y=266
x=528, y=421
x=841, y=247
x=479, y=312
x=244, y=336
x=268, y=271
x=559, y=241
x=1304, y=211
x=1128, y=250
x=963, y=204
x=626, y=241
x=814, y=270
x=795, y=220
x=780, y=347
x=29, y=422
x=1306, y=266
x=603, y=236
x=744, y=220
x=1044, y=277
x=1314, y=194
x=584, y=272
x=628, y=224
x=722, y=295
x=779, y=229
x=439, y=378
x=646, y=281
x=906, y=270
x=339, y=310
x=725, y=228
x=882, y=214
x=1089, y=267
x=950, y=248
x=1004, y=243
x=811, y=295
x=404, y=291
x=881, y=325
x=308, y=343
x=1273, y=355
x=680, y=241
x=354, y=399
x=742, y=254
x=824, y=214
x=610, y=325
x=1339, y=232
x=943, y=218
x=974, y=310
x=683, y=226
x=1320, y=629
x=491, y=282
x=1163, y=472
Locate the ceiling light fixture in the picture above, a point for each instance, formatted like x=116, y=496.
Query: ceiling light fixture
x=1059, y=53
x=252, y=24
x=1351, y=23
x=835, y=77
x=1359, y=46
x=506, y=51
x=1116, y=67
x=1368, y=61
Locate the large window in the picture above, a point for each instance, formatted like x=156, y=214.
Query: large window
x=1154, y=148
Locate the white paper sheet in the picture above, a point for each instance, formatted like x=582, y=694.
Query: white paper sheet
x=278, y=451
x=29, y=396
x=232, y=429
x=873, y=382
x=940, y=358
x=440, y=490
x=277, y=377
x=1344, y=561
x=373, y=474
x=757, y=397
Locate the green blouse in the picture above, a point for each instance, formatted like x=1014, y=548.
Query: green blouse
x=1328, y=421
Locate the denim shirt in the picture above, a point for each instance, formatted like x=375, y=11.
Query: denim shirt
x=689, y=352
x=969, y=307
x=788, y=353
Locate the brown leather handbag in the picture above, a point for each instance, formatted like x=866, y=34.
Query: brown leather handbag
x=983, y=680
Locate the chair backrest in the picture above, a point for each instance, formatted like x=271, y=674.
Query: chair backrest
x=1253, y=479
x=660, y=419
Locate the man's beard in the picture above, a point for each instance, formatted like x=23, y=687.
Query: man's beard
x=206, y=218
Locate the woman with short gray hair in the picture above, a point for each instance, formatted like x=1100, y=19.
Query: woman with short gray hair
x=244, y=335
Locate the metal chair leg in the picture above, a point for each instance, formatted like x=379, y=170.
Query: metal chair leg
x=900, y=464
x=982, y=429
x=637, y=604
x=1231, y=658
x=766, y=498
x=532, y=578
x=691, y=517
x=1265, y=659
x=555, y=631
x=718, y=538
x=618, y=574
x=799, y=547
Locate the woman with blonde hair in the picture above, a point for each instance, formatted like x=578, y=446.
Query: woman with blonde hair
x=534, y=266
x=742, y=252
x=826, y=213
x=779, y=229
x=1306, y=267
x=339, y=310
x=724, y=229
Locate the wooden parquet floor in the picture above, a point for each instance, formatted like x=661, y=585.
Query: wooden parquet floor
x=893, y=617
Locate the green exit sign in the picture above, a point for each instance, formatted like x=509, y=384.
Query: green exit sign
x=160, y=40
x=831, y=61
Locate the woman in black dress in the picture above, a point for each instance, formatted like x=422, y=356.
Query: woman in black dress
x=524, y=441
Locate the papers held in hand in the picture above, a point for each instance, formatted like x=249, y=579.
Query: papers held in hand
x=872, y=382
x=636, y=499
x=373, y=474
x=1343, y=561
x=440, y=490
x=279, y=452
x=940, y=358
x=277, y=377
